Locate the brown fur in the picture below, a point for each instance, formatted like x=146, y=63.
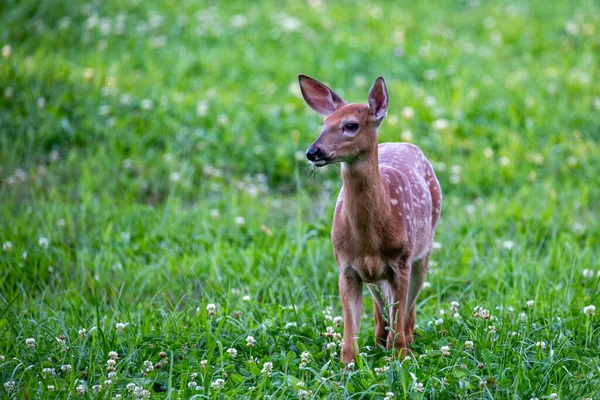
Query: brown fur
x=385, y=217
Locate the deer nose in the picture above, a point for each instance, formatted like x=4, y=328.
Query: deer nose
x=313, y=153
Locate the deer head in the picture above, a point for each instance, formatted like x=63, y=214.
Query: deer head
x=349, y=130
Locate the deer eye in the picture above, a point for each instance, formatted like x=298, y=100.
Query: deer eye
x=351, y=126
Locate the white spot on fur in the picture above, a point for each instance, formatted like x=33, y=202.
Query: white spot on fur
x=394, y=202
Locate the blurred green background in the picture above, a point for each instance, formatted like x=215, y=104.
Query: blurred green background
x=151, y=159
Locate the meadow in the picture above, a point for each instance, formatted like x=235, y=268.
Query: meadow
x=163, y=236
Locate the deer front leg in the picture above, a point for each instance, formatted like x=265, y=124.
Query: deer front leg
x=351, y=296
x=397, y=298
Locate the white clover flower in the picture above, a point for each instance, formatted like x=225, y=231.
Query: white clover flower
x=454, y=306
x=246, y=298
x=62, y=342
x=530, y=303
x=504, y=161
x=48, y=372
x=418, y=387
x=589, y=310
x=441, y=124
x=120, y=326
x=214, y=213
x=112, y=375
x=331, y=346
x=147, y=366
x=588, y=273
x=146, y=104
x=97, y=388
x=211, y=308
x=469, y=345
x=104, y=110
x=66, y=368
x=7, y=246
x=553, y=396
x=267, y=368
x=305, y=357
x=113, y=354
x=118, y=397
x=43, y=242
x=192, y=384
x=445, y=351
x=217, y=384
x=382, y=370
x=389, y=395
x=250, y=342
x=80, y=390
x=406, y=135
x=360, y=81
x=10, y=386
x=82, y=333
x=571, y=28
x=408, y=113
x=338, y=321
x=175, y=176
x=522, y=317
x=492, y=330
x=541, y=345
x=50, y=388
x=240, y=221
x=6, y=51
x=330, y=331
x=1, y=358
x=439, y=321
x=30, y=342
x=488, y=153
x=203, y=363
x=350, y=365
x=481, y=312
x=426, y=285
x=508, y=244
x=232, y=352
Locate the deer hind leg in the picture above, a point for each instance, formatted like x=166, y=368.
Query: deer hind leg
x=417, y=278
x=350, y=286
x=379, y=310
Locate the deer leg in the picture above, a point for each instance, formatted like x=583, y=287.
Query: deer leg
x=379, y=310
x=418, y=274
x=397, y=298
x=350, y=286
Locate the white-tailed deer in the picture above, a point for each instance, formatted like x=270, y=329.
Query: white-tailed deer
x=385, y=216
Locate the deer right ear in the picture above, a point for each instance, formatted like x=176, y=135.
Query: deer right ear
x=318, y=96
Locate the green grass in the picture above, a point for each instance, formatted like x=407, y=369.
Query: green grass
x=132, y=138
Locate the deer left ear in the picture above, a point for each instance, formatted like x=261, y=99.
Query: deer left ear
x=378, y=99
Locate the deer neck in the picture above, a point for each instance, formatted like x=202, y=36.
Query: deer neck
x=365, y=203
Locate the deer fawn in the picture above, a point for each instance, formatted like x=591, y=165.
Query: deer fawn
x=385, y=216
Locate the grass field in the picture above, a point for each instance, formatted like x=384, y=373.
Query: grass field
x=151, y=166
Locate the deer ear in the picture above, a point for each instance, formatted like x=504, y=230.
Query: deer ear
x=318, y=96
x=378, y=99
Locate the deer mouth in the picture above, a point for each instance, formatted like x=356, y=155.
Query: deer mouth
x=321, y=162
